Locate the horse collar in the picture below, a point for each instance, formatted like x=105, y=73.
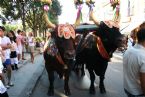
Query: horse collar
x=101, y=48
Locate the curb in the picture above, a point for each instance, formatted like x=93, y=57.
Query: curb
x=29, y=90
x=33, y=89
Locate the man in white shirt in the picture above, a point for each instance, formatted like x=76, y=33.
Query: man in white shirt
x=134, y=67
x=3, y=90
x=6, y=45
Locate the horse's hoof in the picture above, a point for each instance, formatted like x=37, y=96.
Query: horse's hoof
x=50, y=93
x=92, y=91
x=103, y=91
x=67, y=93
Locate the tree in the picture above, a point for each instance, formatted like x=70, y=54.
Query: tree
x=34, y=17
x=12, y=10
x=55, y=11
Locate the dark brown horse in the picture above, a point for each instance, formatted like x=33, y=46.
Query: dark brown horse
x=59, y=56
x=96, y=50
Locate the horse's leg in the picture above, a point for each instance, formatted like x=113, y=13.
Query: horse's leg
x=82, y=70
x=102, y=76
x=101, y=85
x=50, y=73
x=66, y=80
x=51, y=83
x=92, y=78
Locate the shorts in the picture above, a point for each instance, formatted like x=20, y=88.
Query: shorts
x=24, y=49
x=31, y=49
x=13, y=54
x=20, y=48
x=7, y=62
x=14, y=60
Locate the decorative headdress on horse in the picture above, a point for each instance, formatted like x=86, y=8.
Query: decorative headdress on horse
x=63, y=30
x=66, y=31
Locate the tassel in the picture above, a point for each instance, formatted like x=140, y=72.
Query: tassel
x=79, y=16
x=90, y=10
x=116, y=14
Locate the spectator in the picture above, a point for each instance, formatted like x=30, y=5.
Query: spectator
x=41, y=46
x=19, y=44
x=6, y=45
x=3, y=90
x=134, y=67
x=14, y=48
x=31, y=45
x=24, y=38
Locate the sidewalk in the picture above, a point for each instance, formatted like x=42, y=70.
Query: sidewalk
x=26, y=76
x=27, y=57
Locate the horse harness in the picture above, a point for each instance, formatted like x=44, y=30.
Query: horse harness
x=66, y=31
x=99, y=45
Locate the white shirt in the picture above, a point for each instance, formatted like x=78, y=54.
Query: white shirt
x=133, y=65
x=5, y=40
x=31, y=41
x=2, y=87
x=1, y=65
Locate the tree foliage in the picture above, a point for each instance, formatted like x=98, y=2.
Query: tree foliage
x=33, y=12
x=55, y=11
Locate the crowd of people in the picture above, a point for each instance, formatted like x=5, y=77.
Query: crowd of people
x=12, y=48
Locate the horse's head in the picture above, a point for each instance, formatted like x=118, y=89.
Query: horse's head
x=64, y=37
x=111, y=36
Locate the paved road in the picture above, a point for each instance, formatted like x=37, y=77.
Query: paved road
x=113, y=83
